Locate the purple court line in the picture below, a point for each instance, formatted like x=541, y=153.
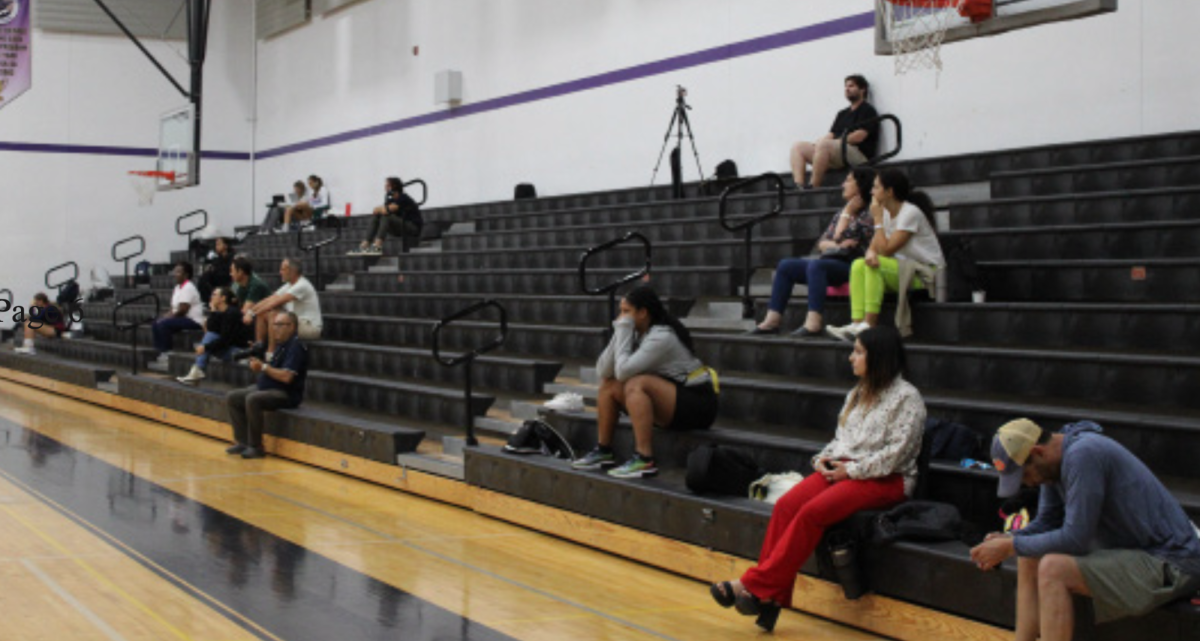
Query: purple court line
x=101, y=150
x=789, y=38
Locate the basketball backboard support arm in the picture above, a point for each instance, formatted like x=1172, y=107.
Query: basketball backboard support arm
x=198, y=12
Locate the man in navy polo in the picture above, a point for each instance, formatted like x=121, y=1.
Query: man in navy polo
x=280, y=385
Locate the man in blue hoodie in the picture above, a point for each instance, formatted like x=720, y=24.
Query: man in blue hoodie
x=1106, y=528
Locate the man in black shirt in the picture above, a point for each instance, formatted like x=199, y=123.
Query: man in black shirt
x=280, y=386
x=826, y=153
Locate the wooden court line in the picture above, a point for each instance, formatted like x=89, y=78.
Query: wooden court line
x=70, y=599
x=584, y=610
x=249, y=624
x=873, y=613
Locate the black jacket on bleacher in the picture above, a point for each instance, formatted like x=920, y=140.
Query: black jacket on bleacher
x=229, y=327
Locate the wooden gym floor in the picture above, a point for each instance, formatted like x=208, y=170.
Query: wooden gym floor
x=118, y=528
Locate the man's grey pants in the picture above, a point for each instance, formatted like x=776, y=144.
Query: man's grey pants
x=247, y=407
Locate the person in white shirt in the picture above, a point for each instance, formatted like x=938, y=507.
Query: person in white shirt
x=186, y=313
x=316, y=206
x=903, y=232
x=297, y=295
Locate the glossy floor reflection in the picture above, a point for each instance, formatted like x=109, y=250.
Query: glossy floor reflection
x=114, y=527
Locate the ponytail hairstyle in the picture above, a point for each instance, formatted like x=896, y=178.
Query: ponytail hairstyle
x=886, y=361
x=895, y=180
x=864, y=179
x=320, y=183
x=644, y=297
x=395, y=184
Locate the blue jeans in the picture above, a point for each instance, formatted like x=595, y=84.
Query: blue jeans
x=202, y=360
x=816, y=273
x=165, y=328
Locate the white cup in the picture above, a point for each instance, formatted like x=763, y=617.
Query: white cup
x=979, y=296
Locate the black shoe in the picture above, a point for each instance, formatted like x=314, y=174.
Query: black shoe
x=723, y=594
x=252, y=452
x=805, y=332
x=236, y=448
x=758, y=331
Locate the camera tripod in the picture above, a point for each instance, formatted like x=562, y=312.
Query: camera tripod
x=679, y=122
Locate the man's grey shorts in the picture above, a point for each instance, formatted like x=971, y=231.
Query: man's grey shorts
x=1130, y=583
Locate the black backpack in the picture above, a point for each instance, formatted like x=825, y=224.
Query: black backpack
x=712, y=469
x=141, y=273
x=524, y=191
x=539, y=437
x=726, y=170
x=951, y=441
x=918, y=521
x=962, y=273
x=68, y=293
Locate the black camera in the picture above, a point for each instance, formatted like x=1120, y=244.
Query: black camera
x=257, y=350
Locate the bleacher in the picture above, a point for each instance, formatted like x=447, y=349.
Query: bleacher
x=1088, y=251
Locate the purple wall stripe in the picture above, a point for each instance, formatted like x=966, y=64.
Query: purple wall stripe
x=100, y=150
x=789, y=38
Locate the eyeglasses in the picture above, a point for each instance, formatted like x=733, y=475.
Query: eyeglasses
x=282, y=324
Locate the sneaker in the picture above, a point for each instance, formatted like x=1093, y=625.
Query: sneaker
x=194, y=376
x=635, y=468
x=565, y=402
x=375, y=250
x=27, y=350
x=595, y=460
x=236, y=448
x=847, y=333
x=361, y=250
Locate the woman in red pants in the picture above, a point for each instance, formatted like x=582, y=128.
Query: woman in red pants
x=871, y=464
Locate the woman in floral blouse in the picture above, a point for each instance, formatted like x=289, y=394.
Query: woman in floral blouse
x=871, y=464
x=847, y=238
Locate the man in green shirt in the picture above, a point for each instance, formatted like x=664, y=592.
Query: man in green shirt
x=248, y=288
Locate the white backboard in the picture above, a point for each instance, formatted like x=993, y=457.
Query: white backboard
x=1007, y=16
x=176, y=147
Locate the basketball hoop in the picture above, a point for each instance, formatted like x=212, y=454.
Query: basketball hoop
x=917, y=28
x=145, y=183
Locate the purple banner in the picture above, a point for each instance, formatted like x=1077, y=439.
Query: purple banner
x=16, y=64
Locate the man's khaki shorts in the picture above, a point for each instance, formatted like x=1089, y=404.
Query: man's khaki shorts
x=854, y=153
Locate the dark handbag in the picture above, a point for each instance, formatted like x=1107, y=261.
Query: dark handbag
x=721, y=470
x=844, y=254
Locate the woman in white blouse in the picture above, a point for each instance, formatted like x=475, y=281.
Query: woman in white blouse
x=871, y=464
x=312, y=208
x=903, y=232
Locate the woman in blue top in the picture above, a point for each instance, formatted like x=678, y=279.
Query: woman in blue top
x=847, y=238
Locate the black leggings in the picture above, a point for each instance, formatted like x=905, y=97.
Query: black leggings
x=386, y=224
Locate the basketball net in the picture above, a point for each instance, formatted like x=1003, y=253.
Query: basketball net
x=916, y=29
x=145, y=183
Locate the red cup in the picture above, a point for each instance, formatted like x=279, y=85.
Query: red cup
x=347, y=209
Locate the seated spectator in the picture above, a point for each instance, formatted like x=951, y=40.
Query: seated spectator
x=247, y=287
x=1106, y=529
x=316, y=206
x=649, y=372
x=826, y=153
x=399, y=216
x=871, y=464
x=224, y=331
x=216, y=273
x=845, y=240
x=186, y=313
x=280, y=385
x=46, y=321
x=296, y=295
x=275, y=213
x=904, y=247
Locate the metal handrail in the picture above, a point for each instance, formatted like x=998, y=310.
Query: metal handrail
x=69, y=263
x=748, y=226
x=611, y=288
x=8, y=300
x=132, y=326
x=317, y=245
x=468, y=358
x=189, y=232
x=141, y=250
x=876, y=120
x=424, y=189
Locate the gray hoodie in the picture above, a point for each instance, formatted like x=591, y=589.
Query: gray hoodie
x=1107, y=498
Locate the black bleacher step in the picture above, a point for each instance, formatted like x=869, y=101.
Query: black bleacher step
x=491, y=371
x=373, y=437
x=764, y=251
x=116, y=355
x=561, y=341
x=1115, y=241
x=1109, y=326
x=1138, y=174
x=790, y=223
x=663, y=506
x=1082, y=376
x=1151, y=280
x=104, y=331
x=70, y=371
x=396, y=396
x=550, y=310
x=689, y=281
x=1078, y=209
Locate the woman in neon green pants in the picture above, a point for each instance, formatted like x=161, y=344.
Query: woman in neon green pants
x=903, y=231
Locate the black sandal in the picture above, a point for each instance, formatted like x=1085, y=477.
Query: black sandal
x=768, y=616
x=748, y=605
x=722, y=592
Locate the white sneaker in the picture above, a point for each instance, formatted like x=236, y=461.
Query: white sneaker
x=27, y=350
x=847, y=333
x=193, y=377
x=565, y=402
